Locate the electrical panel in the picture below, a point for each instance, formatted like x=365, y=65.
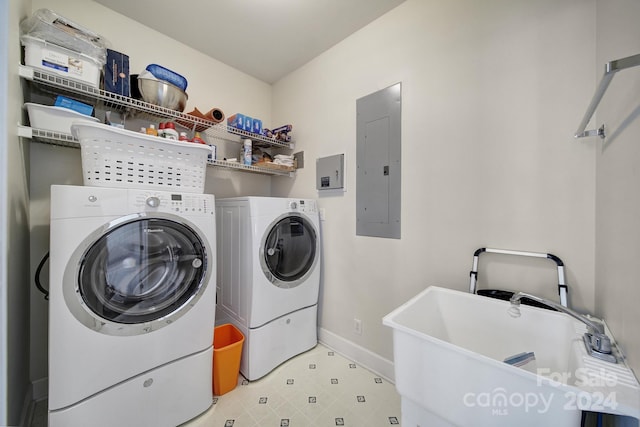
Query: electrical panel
x=378, y=169
x=330, y=172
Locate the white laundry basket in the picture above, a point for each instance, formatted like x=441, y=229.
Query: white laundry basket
x=114, y=157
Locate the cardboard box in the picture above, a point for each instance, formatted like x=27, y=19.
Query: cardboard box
x=257, y=126
x=248, y=124
x=72, y=104
x=116, y=73
x=236, y=121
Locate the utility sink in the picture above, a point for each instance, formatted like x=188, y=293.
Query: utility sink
x=449, y=350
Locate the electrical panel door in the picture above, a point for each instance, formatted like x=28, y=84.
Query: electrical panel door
x=378, y=163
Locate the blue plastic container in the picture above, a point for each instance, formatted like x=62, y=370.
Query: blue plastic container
x=167, y=75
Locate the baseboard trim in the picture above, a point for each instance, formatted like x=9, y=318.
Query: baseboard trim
x=358, y=354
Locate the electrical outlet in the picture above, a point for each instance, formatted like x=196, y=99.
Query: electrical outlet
x=357, y=326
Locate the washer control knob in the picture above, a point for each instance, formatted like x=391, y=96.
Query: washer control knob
x=93, y=198
x=153, y=202
x=293, y=205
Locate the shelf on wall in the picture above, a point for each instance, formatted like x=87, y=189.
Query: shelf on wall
x=48, y=136
x=256, y=169
x=214, y=130
x=67, y=140
x=87, y=92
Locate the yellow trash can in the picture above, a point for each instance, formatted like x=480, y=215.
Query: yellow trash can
x=227, y=351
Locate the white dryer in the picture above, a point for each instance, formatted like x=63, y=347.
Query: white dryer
x=269, y=277
x=132, y=306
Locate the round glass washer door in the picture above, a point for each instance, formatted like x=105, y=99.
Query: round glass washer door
x=139, y=272
x=289, y=250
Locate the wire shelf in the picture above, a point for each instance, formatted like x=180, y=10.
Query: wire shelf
x=214, y=130
x=67, y=140
x=85, y=91
x=48, y=137
x=255, y=169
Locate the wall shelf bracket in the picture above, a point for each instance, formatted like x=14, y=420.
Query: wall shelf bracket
x=610, y=69
x=593, y=132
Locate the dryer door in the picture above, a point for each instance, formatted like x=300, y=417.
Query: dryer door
x=140, y=271
x=289, y=251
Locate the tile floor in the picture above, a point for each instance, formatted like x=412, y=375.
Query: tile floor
x=319, y=388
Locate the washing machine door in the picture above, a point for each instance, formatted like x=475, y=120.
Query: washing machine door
x=143, y=271
x=289, y=250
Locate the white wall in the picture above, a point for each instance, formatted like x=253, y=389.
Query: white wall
x=491, y=94
x=211, y=84
x=14, y=231
x=618, y=175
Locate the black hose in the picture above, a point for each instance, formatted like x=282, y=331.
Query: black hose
x=37, y=278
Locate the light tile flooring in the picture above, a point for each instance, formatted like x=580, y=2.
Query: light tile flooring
x=319, y=388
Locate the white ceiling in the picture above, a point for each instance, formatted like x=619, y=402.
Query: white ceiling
x=266, y=39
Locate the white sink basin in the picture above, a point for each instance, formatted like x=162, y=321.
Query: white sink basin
x=449, y=348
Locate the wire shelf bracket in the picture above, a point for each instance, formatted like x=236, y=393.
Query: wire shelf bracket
x=610, y=69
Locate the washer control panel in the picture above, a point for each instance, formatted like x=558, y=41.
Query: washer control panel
x=302, y=205
x=179, y=203
x=153, y=202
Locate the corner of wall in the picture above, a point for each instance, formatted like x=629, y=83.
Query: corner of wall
x=361, y=355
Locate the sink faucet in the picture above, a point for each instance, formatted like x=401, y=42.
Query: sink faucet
x=595, y=339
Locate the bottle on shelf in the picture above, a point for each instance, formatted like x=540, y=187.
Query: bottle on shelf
x=151, y=130
x=170, y=131
x=246, y=152
x=198, y=139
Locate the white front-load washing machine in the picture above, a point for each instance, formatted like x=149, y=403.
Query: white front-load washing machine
x=269, y=277
x=132, y=306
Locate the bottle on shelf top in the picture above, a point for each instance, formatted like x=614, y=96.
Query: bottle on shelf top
x=170, y=131
x=198, y=139
x=247, y=152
